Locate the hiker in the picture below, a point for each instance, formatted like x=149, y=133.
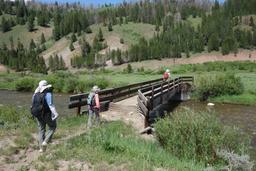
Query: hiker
x=93, y=106
x=45, y=113
x=166, y=75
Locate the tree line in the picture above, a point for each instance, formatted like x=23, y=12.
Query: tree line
x=220, y=28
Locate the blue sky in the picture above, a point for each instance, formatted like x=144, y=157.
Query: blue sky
x=94, y=2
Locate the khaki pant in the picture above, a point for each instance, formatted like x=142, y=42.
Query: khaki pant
x=93, y=113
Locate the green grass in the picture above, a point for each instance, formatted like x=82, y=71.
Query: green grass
x=245, y=99
x=131, y=32
x=21, y=32
x=116, y=144
x=195, y=22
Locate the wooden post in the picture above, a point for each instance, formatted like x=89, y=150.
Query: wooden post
x=161, y=93
x=79, y=107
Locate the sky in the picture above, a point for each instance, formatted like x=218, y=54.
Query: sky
x=94, y=2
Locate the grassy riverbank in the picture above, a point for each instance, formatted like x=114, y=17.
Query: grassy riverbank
x=82, y=81
x=114, y=145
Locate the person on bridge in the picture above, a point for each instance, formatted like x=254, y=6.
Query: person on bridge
x=93, y=106
x=45, y=113
x=166, y=75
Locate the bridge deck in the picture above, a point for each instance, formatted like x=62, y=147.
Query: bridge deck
x=125, y=110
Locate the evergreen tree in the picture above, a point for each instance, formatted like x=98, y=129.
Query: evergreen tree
x=121, y=40
x=251, y=22
x=56, y=62
x=42, y=38
x=62, y=65
x=71, y=47
x=5, y=25
x=157, y=28
x=110, y=28
x=100, y=35
x=121, y=21
x=32, y=45
x=85, y=48
x=43, y=47
x=51, y=63
x=213, y=43
x=254, y=38
x=31, y=23
x=73, y=38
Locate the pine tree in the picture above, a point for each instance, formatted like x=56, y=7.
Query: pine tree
x=5, y=25
x=251, y=22
x=157, y=28
x=31, y=23
x=110, y=28
x=62, y=65
x=121, y=40
x=100, y=35
x=73, y=38
x=254, y=38
x=71, y=47
x=120, y=21
x=42, y=38
x=213, y=43
x=51, y=63
x=32, y=45
x=56, y=63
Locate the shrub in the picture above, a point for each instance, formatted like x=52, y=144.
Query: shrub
x=25, y=84
x=70, y=85
x=88, y=30
x=122, y=41
x=218, y=85
x=198, y=136
x=11, y=117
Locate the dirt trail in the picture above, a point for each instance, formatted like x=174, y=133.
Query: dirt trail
x=24, y=158
x=243, y=55
x=125, y=110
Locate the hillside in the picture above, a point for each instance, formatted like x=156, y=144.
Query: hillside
x=21, y=32
x=131, y=33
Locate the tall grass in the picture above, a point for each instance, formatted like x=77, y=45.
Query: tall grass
x=216, y=66
x=14, y=118
x=198, y=136
x=117, y=144
x=218, y=85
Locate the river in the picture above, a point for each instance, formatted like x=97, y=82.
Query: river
x=241, y=116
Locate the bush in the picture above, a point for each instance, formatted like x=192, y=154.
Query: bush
x=218, y=85
x=88, y=30
x=11, y=117
x=122, y=41
x=25, y=84
x=198, y=136
x=70, y=85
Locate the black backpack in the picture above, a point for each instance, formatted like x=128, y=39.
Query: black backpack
x=37, y=108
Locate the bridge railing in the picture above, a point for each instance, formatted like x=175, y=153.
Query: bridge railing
x=112, y=94
x=147, y=96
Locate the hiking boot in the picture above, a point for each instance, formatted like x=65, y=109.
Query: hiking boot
x=44, y=144
x=41, y=150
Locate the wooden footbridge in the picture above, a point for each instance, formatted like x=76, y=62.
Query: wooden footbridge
x=151, y=95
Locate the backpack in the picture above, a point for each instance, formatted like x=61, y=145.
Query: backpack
x=37, y=108
x=91, y=100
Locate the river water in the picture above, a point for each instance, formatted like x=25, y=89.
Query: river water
x=241, y=116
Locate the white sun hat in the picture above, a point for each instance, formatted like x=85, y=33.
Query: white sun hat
x=167, y=70
x=95, y=89
x=43, y=85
